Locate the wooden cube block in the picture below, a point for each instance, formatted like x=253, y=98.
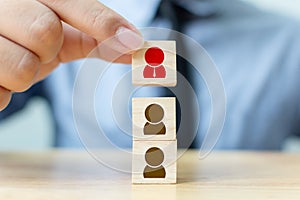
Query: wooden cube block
x=155, y=64
x=154, y=162
x=154, y=118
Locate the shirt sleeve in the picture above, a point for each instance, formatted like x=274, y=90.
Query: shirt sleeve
x=19, y=100
x=297, y=125
x=297, y=130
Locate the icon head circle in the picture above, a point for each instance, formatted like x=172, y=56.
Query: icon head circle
x=154, y=56
x=154, y=113
x=154, y=156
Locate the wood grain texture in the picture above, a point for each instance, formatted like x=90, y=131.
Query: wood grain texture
x=139, y=163
x=139, y=120
x=74, y=174
x=139, y=63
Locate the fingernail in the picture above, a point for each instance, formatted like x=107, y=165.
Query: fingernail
x=129, y=38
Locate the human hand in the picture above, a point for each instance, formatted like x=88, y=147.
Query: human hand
x=37, y=35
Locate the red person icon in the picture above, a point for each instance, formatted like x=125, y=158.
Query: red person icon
x=154, y=57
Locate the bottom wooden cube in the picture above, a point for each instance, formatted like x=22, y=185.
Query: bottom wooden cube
x=154, y=162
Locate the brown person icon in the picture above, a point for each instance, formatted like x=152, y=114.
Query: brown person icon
x=154, y=158
x=154, y=114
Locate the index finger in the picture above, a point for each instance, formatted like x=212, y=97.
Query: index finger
x=98, y=21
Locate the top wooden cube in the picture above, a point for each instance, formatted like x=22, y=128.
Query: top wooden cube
x=155, y=64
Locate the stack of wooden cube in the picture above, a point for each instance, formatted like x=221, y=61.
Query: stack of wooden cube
x=154, y=119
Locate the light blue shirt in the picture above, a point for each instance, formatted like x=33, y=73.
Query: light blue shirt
x=257, y=54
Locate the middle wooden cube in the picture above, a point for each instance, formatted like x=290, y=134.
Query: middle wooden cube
x=154, y=118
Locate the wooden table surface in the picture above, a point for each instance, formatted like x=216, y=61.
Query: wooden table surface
x=74, y=174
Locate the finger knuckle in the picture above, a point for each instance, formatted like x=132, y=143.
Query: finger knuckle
x=105, y=20
x=46, y=30
x=26, y=71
